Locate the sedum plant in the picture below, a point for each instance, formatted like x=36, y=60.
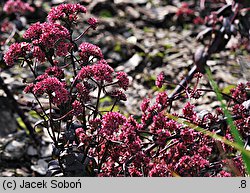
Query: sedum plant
x=90, y=142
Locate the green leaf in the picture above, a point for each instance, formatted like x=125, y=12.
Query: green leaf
x=105, y=13
x=21, y=123
x=107, y=109
x=118, y=47
x=34, y=114
x=106, y=99
x=228, y=88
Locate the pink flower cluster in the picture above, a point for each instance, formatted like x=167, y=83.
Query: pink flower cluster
x=160, y=80
x=123, y=80
x=82, y=136
x=184, y=10
x=188, y=111
x=83, y=90
x=6, y=26
x=87, y=49
x=198, y=21
x=158, y=146
x=92, y=22
x=100, y=71
x=17, y=6
x=152, y=145
x=191, y=165
x=77, y=107
x=159, y=169
x=49, y=36
x=16, y=51
x=241, y=108
x=111, y=122
x=66, y=12
x=240, y=92
x=50, y=85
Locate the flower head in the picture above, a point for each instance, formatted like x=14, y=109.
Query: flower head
x=190, y=166
x=87, y=49
x=198, y=21
x=102, y=71
x=159, y=170
x=49, y=36
x=16, y=51
x=54, y=88
x=6, y=26
x=123, y=80
x=92, y=22
x=17, y=6
x=63, y=48
x=77, y=108
x=78, y=131
x=160, y=80
x=111, y=122
x=145, y=105
x=184, y=10
x=239, y=92
x=66, y=12
x=83, y=90
x=29, y=88
x=162, y=99
x=224, y=174
x=38, y=54
x=162, y=137
x=82, y=136
x=159, y=122
x=85, y=72
x=188, y=111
